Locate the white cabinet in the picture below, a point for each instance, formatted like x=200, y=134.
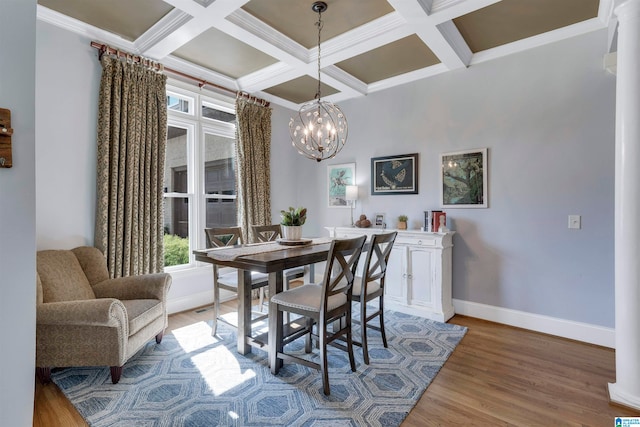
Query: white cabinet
x=419, y=272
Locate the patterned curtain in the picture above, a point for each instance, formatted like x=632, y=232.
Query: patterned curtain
x=253, y=148
x=132, y=137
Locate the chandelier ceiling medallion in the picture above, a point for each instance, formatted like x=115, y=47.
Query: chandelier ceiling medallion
x=319, y=129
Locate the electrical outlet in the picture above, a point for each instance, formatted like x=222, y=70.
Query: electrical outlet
x=574, y=221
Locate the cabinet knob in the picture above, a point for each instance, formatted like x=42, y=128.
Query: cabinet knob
x=419, y=242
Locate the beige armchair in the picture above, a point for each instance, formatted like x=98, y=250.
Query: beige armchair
x=84, y=318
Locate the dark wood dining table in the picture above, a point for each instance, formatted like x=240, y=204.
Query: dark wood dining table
x=272, y=262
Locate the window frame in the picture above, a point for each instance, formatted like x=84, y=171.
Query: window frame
x=197, y=127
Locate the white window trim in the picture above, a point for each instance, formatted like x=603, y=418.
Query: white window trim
x=197, y=125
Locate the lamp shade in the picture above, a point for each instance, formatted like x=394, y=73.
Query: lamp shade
x=351, y=192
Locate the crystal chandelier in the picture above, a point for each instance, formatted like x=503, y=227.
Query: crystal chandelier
x=319, y=129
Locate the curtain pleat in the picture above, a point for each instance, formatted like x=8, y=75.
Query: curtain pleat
x=253, y=153
x=132, y=137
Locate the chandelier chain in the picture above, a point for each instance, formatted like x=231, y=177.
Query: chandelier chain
x=320, y=24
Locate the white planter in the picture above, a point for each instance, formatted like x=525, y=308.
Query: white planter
x=292, y=232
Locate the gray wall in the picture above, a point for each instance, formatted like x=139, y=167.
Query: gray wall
x=547, y=117
x=67, y=86
x=17, y=214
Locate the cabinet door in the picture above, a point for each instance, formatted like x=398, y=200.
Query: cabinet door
x=395, y=280
x=420, y=267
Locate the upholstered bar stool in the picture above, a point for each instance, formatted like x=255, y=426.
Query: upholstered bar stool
x=323, y=304
x=370, y=287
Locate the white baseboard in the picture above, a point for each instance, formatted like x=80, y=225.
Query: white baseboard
x=592, y=334
x=191, y=301
x=621, y=397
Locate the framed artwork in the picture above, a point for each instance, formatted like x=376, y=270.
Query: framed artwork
x=339, y=176
x=379, y=220
x=394, y=174
x=463, y=180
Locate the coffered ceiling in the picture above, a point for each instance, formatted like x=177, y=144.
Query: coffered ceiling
x=268, y=48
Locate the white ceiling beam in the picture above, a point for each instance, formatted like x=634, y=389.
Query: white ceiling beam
x=200, y=72
x=169, y=23
x=269, y=76
x=202, y=19
x=447, y=10
x=251, y=30
x=442, y=37
x=379, y=32
x=539, y=40
x=408, y=77
x=346, y=80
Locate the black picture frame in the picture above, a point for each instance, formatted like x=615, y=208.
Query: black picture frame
x=394, y=174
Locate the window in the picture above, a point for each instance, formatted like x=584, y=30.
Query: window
x=200, y=178
x=180, y=103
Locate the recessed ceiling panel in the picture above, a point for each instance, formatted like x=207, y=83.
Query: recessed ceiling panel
x=129, y=19
x=296, y=20
x=511, y=20
x=402, y=56
x=300, y=90
x=224, y=54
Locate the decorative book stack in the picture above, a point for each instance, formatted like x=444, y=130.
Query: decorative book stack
x=433, y=220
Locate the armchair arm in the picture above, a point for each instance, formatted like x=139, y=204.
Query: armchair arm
x=81, y=333
x=96, y=312
x=145, y=286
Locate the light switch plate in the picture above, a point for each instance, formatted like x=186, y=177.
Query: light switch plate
x=575, y=221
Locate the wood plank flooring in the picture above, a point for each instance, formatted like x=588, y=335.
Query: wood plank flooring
x=497, y=376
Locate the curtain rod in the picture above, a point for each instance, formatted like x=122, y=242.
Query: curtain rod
x=103, y=48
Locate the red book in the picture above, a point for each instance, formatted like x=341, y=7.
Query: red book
x=439, y=219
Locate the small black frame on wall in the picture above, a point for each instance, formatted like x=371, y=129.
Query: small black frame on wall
x=394, y=174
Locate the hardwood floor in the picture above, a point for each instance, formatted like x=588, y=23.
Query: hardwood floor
x=497, y=376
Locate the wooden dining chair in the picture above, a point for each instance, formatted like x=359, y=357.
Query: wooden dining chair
x=271, y=233
x=230, y=236
x=323, y=305
x=370, y=286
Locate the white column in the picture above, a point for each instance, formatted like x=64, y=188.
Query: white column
x=626, y=389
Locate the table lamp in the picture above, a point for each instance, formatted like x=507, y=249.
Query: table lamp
x=351, y=195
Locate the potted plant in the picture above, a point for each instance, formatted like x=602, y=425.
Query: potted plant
x=292, y=222
x=402, y=222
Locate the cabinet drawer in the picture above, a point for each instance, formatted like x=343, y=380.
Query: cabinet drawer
x=417, y=241
x=349, y=235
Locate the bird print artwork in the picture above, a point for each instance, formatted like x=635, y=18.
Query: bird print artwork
x=396, y=174
x=339, y=177
x=463, y=178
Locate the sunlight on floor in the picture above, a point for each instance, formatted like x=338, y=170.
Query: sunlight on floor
x=212, y=358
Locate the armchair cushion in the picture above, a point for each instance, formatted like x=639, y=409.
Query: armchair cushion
x=93, y=263
x=62, y=277
x=141, y=312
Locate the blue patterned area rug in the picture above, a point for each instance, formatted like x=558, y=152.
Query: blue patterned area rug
x=194, y=379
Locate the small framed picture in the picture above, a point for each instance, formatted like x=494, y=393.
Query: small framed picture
x=338, y=177
x=463, y=179
x=379, y=220
x=394, y=174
